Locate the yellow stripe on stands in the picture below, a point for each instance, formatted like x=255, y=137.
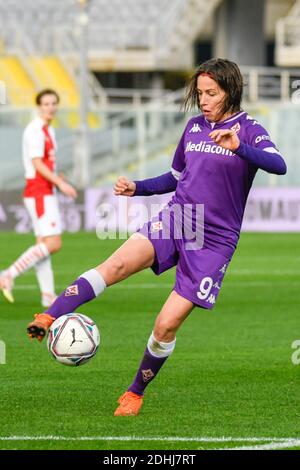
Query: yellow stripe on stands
x=47, y=72
x=20, y=88
x=51, y=73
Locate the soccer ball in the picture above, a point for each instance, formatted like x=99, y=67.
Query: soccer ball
x=73, y=339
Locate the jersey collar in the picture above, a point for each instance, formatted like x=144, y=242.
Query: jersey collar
x=42, y=123
x=213, y=125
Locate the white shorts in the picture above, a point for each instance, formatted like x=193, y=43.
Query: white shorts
x=44, y=214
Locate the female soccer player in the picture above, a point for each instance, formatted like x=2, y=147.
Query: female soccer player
x=39, y=148
x=214, y=165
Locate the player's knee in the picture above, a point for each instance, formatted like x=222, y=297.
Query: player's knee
x=164, y=331
x=58, y=245
x=54, y=245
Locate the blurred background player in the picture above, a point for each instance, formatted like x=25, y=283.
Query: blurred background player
x=39, y=154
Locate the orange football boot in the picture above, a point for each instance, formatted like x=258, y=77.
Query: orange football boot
x=39, y=327
x=130, y=404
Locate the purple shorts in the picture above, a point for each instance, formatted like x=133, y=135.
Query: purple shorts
x=199, y=272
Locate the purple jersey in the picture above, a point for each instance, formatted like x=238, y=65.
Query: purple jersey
x=211, y=175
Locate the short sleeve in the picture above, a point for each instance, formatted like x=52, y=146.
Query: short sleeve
x=258, y=137
x=35, y=142
x=178, y=163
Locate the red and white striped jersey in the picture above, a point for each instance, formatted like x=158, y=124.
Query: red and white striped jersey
x=38, y=142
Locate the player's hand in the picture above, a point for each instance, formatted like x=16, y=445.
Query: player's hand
x=124, y=187
x=67, y=189
x=226, y=138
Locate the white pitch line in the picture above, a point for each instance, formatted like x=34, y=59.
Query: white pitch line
x=272, y=446
x=270, y=440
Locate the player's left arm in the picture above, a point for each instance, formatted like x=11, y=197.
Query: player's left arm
x=260, y=151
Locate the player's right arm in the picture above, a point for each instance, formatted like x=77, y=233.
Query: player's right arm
x=58, y=181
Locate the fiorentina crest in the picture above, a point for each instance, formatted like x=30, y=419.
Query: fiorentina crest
x=156, y=226
x=236, y=128
x=147, y=375
x=71, y=290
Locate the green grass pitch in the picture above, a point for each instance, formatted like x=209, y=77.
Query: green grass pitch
x=231, y=375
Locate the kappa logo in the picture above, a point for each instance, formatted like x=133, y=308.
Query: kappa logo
x=223, y=269
x=195, y=128
x=156, y=226
x=147, y=375
x=236, y=128
x=71, y=290
x=216, y=286
x=250, y=118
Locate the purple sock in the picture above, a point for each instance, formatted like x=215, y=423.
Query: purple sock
x=148, y=369
x=75, y=295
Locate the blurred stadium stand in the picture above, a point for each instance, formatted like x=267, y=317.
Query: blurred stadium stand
x=133, y=131
x=288, y=38
x=121, y=34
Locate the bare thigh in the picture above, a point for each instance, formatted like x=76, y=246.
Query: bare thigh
x=136, y=254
